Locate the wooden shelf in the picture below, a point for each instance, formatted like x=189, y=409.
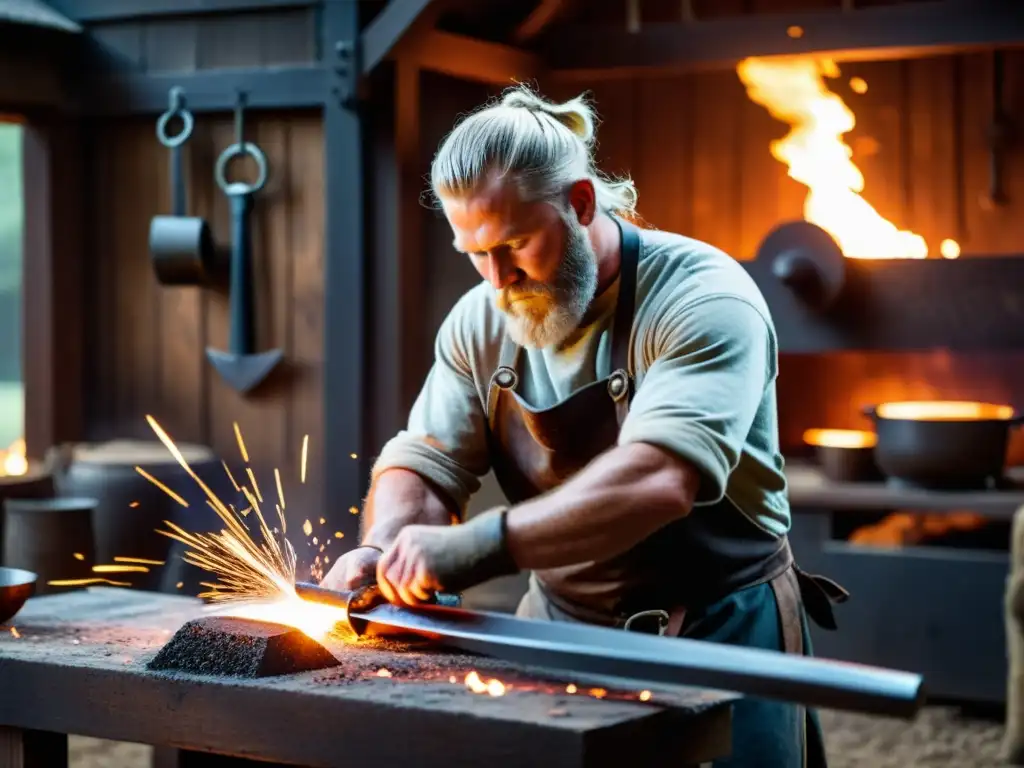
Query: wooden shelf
x=810, y=489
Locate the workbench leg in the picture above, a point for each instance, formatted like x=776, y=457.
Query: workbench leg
x=22, y=748
x=168, y=757
x=1013, y=740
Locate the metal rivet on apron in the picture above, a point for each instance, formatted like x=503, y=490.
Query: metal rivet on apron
x=618, y=384
x=505, y=378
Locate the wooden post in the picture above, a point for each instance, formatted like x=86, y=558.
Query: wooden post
x=52, y=331
x=23, y=748
x=1013, y=742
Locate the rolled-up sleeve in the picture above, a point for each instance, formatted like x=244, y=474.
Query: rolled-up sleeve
x=708, y=368
x=445, y=440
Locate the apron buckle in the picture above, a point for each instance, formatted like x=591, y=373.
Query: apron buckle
x=662, y=618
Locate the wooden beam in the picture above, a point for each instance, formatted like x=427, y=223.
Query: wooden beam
x=299, y=86
x=397, y=328
x=540, y=18
x=93, y=11
x=468, y=58
x=387, y=29
x=344, y=361
x=883, y=32
x=52, y=309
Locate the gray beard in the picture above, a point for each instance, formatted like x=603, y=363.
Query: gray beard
x=555, y=310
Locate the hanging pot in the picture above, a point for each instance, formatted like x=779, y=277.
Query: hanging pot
x=942, y=444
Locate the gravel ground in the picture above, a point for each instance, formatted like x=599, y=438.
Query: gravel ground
x=939, y=738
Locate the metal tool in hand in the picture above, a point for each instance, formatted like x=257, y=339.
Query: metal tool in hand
x=180, y=246
x=241, y=366
x=642, y=657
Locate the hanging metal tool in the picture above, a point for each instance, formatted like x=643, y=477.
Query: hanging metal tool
x=584, y=649
x=180, y=246
x=241, y=366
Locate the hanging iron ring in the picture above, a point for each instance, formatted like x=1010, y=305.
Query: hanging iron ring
x=240, y=187
x=175, y=108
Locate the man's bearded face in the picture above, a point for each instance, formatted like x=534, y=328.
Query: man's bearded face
x=543, y=314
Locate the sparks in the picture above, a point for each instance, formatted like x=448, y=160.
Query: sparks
x=280, y=490
x=307, y=528
x=305, y=456
x=477, y=685
x=138, y=560
x=231, y=477
x=161, y=486
x=255, y=486
x=254, y=569
x=241, y=442
x=78, y=556
x=133, y=504
x=15, y=633
x=645, y=695
x=120, y=569
x=87, y=582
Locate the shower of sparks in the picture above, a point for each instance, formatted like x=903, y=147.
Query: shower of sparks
x=138, y=560
x=87, y=582
x=254, y=566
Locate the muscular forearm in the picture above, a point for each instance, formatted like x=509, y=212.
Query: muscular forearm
x=399, y=498
x=616, y=502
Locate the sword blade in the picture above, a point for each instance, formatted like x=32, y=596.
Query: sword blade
x=583, y=649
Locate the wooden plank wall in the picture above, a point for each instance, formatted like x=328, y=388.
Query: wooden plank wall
x=149, y=341
x=697, y=148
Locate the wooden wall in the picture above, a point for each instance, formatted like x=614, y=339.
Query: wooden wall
x=148, y=342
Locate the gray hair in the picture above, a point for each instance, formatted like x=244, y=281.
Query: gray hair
x=543, y=146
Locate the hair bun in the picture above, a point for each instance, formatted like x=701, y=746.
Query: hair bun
x=575, y=114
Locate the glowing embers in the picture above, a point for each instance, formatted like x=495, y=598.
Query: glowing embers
x=230, y=646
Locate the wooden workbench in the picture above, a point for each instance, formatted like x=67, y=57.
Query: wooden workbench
x=79, y=667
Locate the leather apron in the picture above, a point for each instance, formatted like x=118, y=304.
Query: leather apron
x=693, y=562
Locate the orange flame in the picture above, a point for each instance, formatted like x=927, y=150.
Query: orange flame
x=793, y=90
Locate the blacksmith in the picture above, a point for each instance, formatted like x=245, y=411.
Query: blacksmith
x=620, y=383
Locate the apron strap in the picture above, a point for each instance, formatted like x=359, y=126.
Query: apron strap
x=624, y=309
x=504, y=376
